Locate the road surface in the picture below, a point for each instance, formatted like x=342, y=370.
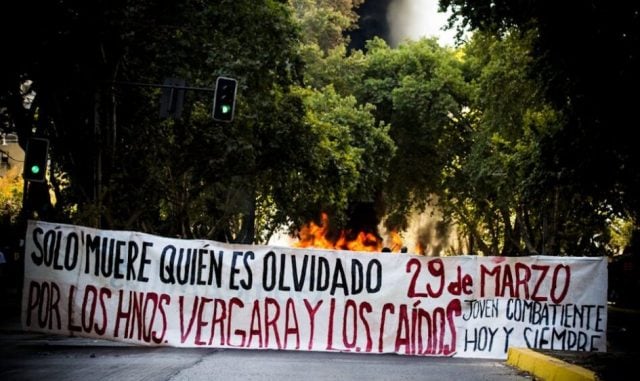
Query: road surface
x=33, y=356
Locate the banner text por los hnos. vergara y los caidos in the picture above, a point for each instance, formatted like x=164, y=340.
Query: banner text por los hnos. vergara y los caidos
x=149, y=290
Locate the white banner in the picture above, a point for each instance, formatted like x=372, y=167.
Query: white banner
x=149, y=290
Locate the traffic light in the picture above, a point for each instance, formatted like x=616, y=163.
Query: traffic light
x=35, y=161
x=224, y=100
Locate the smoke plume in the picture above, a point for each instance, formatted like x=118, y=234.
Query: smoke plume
x=413, y=19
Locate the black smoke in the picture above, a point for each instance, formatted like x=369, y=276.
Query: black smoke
x=372, y=22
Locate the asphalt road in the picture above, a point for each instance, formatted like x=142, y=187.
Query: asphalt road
x=28, y=356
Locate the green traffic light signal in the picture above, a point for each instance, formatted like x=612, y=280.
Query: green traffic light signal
x=35, y=161
x=224, y=99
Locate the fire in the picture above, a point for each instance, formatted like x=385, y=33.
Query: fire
x=363, y=241
x=313, y=235
x=318, y=236
x=395, y=241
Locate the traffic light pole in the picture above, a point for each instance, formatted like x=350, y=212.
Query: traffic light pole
x=171, y=102
x=157, y=85
x=172, y=98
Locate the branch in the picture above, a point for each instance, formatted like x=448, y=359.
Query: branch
x=472, y=230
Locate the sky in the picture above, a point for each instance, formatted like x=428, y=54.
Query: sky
x=412, y=19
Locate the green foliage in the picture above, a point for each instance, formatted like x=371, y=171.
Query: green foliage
x=323, y=22
x=348, y=154
x=11, y=185
x=585, y=68
x=289, y=152
x=487, y=192
x=203, y=177
x=503, y=193
x=133, y=170
x=420, y=90
x=621, y=230
x=486, y=131
x=343, y=70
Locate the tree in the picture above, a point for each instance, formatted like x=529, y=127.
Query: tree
x=190, y=177
x=353, y=148
x=10, y=197
x=419, y=89
x=351, y=154
x=500, y=192
x=324, y=23
x=132, y=170
x=588, y=67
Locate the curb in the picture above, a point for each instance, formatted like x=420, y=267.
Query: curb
x=546, y=367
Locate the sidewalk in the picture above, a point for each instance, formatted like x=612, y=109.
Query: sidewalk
x=618, y=363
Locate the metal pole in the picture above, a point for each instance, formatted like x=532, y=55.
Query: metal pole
x=156, y=85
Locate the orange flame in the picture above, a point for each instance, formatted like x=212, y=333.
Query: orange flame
x=395, y=241
x=318, y=236
x=362, y=242
x=313, y=235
